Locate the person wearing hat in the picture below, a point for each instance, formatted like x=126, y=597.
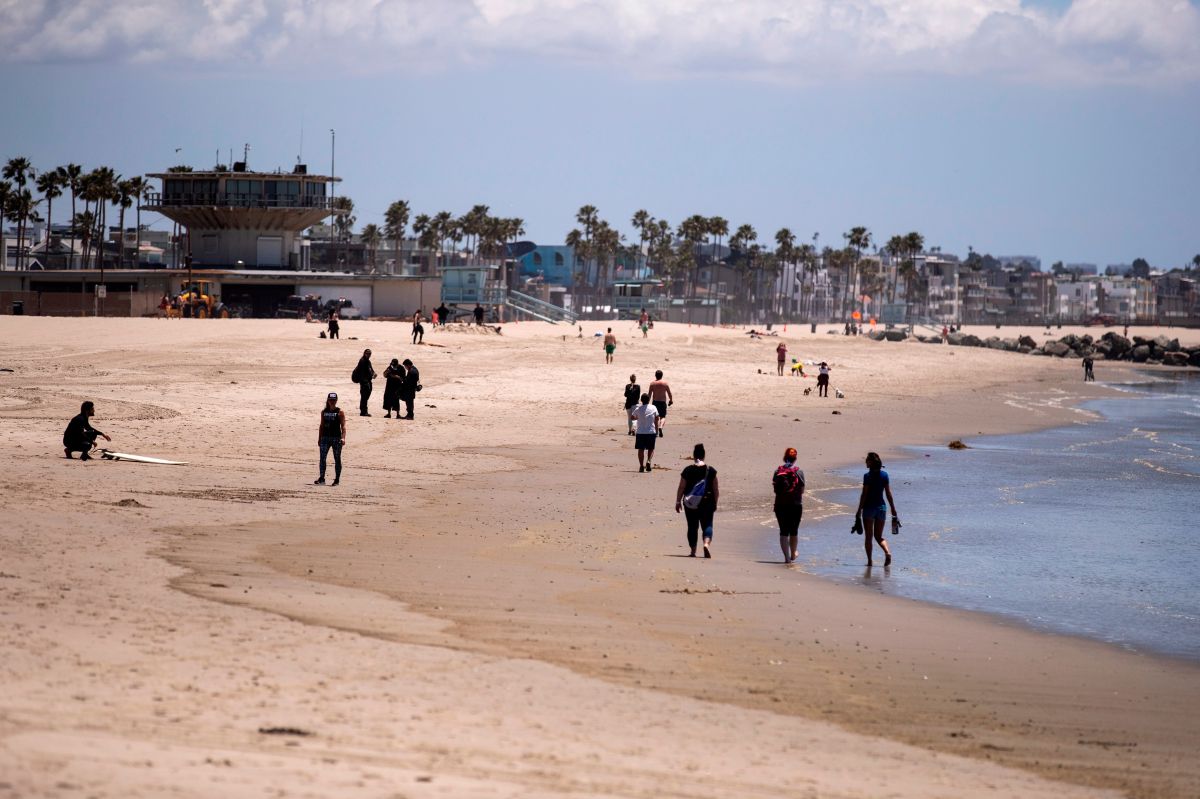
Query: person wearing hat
x=80, y=436
x=823, y=380
x=331, y=435
x=363, y=374
x=409, y=388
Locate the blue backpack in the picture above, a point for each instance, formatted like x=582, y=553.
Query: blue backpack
x=694, y=497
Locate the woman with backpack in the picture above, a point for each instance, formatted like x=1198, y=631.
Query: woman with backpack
x=788, y=482
x=872, y=510
x=697, y=497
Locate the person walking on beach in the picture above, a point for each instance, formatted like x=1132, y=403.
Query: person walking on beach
x=478, y=314
x=1088, y=375
x=632, y=393
x=409, y=389
x=393, y=376
x=697, y=497
x=331, y=436
x=418, y=330
x=334, y=327
x=780, y=357
x=443, y=314
x=788, y=484
x=645, y=415
x=80, y=436
x=610, y=345
x=363, y=374
x=644, y=323
x=872, y=510
x=823, y=380
x=661, y=396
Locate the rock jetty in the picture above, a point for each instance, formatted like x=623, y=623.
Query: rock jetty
x=1109, y=347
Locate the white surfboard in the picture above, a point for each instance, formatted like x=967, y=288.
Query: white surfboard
x=123, y=456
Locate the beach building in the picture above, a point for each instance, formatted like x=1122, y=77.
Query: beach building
x=1076, y=300
x=241, y=219
x=554, y=263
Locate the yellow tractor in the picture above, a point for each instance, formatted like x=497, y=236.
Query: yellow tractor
x=200, y=302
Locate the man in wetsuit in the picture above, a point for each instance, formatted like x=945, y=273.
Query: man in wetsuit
x=331, y=436
x=80, y=436
x=363, y=374
x=478, y=314
x=443, y=314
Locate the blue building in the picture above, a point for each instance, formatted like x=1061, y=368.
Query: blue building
x=555, y=264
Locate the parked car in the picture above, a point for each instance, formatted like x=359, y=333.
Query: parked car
x=343, y=307
x=297, y=307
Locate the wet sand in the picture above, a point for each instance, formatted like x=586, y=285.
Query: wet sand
x=495, y=602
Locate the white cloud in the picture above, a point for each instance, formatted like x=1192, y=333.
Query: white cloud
x=1093, y=41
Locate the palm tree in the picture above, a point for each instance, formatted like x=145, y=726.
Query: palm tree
x=50, y=185
x=395, y=220
x=71, y=174
x=20, y=171
x=371, y=238
x=785, y=252
x=641, y=221
x=21, y=206
x=141, y=189
x=511, y=229
x=422, y=228
x=125, y=194
x=6, y=190
x=857, y=241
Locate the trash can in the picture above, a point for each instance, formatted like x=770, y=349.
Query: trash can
x=18, y=308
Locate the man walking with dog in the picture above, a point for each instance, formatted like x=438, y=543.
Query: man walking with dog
x=823, y=380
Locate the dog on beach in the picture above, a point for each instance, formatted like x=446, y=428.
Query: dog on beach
x=837, y=392
x=808, y=391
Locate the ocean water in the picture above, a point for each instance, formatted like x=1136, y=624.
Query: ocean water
x=1088, y=529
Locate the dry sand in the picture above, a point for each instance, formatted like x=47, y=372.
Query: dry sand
x=494, y=602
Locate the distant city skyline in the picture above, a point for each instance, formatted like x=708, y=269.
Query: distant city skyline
x=1064, y=130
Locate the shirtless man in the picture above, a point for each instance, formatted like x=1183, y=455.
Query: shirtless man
x=661, y=398
x=610, y=345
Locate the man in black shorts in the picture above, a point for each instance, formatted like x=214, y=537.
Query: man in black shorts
x=646, y=415
x=660, y=395
x=80, y=436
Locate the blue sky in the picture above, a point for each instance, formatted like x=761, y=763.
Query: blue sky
x=1063, y=130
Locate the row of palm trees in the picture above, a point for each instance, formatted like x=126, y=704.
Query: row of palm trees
x=679, y=255
x=485, y=236
x=99, y=189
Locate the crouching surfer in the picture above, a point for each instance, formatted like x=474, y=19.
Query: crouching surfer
x=80, y=436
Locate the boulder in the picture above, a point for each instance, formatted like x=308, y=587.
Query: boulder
x=1173, y=345
x=1024, y=350
x=993, y=343
x=1086, y=339
x=1175, y=358
x=931, y=339
x=895, y=335
x=1058, y=349
x=1011, y=345
x=1071, y=340
x=1027, y=341
x=1141, y=353
x=1118, y=345
x=1194, y=358
x=966, y=340
x=875, y=335
x=1140, y=340
x=1163, y=344
x=1103, y=348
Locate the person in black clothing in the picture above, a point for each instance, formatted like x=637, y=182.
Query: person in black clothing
x=80, y=436
x=334, y=327
x=409, y=388
x=478, y=314
x=363, y=374
x=1089, y=363
x=418, y=330
x=632, y=393
x=331, y=435
x=394, y=375
x=699, y=519
x=443, y=314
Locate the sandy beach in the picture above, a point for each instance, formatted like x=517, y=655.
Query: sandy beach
x=495, y=602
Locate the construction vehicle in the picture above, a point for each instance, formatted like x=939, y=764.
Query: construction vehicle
x=200, y=301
